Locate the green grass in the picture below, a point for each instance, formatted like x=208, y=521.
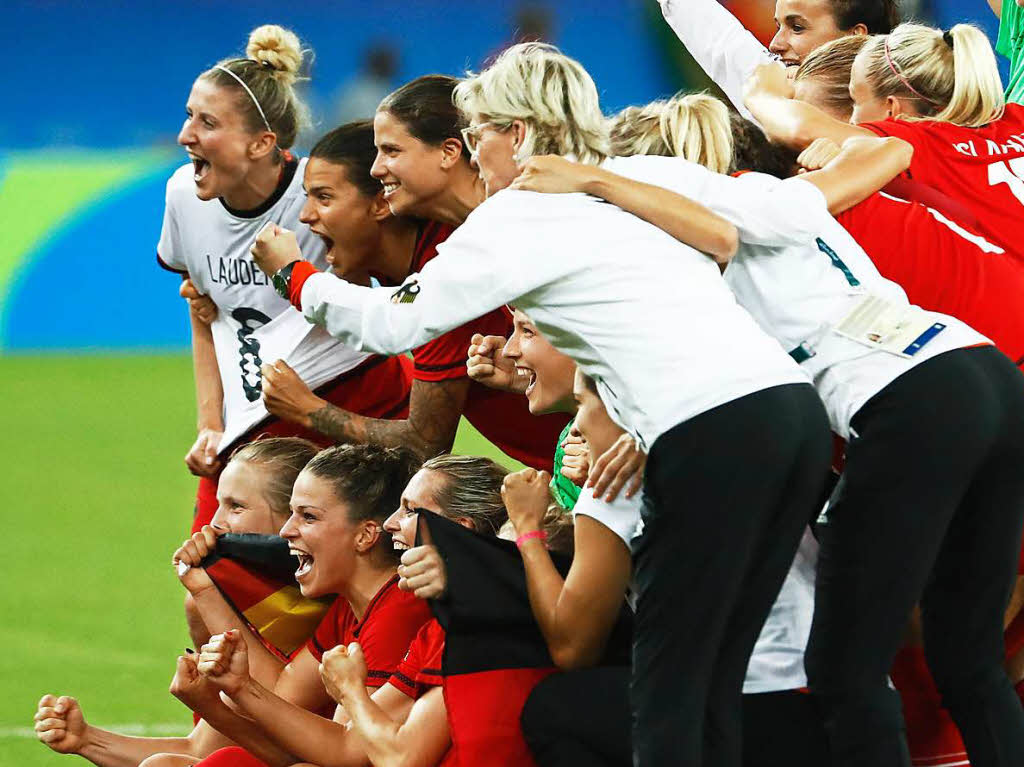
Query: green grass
x=95, y=499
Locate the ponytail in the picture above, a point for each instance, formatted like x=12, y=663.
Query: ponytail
x=952, y=75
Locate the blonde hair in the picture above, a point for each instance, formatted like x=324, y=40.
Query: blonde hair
x=551, y=93
x=694, y=126
x=472, y=489
x=281, y=459
x=829, y=67
x=952, y=75
x=270, y=71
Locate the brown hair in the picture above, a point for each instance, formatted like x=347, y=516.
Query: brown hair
x=472, y=489
x=282, y=458
x=369, y=478
x=274, y=58
x=425, y=107
x=829, y=67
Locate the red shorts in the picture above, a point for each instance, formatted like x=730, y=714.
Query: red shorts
x=378, y=388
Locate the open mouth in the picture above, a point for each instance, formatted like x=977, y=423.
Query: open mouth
x=202, y=168
x=305, y=563
x=399, y=546
x=529, y=373
x=390, y=188
x=328, y=243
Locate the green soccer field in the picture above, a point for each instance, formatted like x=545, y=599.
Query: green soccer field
x=96, y=499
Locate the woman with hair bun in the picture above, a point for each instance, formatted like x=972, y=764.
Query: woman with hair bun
x=650, y=332
x=242, y=116
x=939, y=91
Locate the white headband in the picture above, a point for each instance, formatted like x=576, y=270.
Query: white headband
x=251, y=95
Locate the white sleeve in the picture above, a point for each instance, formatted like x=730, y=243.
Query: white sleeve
x=621, y=516
x=722, y=46
x=482, y=266
x=168, y=250
x=764, y=209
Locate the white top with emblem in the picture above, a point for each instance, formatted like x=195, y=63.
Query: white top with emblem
x=254, y=324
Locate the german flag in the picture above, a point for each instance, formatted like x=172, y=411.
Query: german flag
x=256, y=575
x=494, y=651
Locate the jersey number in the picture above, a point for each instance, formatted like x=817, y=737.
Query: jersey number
x=249, y=350
x=1009, y=172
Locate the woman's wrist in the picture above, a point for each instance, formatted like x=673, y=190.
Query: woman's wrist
x=531, y=535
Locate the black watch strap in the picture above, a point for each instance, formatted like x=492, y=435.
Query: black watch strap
x=282, y=280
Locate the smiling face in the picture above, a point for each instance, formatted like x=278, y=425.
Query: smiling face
x=550, y=372
x=592, y=419
x=241, y=503
x=412, y=171
x=321, y=533
x=802, y=26
x=419, y=495
x=346, y=219
x=216, y=139
x=495, y=155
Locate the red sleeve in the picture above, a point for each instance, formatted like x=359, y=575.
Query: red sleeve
x=301, y=272
x=386, y=636
x=331, y=629
x=421, y=668
x=445, y=357
x=910, y=133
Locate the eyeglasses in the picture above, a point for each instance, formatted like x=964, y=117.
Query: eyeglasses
x=471, y=135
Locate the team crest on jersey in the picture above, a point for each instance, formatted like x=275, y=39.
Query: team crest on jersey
x=406, y=294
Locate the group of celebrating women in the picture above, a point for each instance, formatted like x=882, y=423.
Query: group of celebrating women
x=770, y=351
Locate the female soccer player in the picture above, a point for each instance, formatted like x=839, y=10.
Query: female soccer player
x=941, y=93
x=941, y=261
x=338, y=503
x=650, y=333
x=882, y=394
x=404, y=720
x=729, y=54
x=242, y=116
x=348, y=209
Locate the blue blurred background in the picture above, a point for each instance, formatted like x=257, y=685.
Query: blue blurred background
x=94, y=101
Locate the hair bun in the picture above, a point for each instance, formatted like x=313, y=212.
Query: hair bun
x=278, y=48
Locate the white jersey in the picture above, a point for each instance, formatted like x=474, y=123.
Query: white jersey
x=815, y=290
x=648, y=318
x=254, y=324
x=777, y=662
x=723, y=47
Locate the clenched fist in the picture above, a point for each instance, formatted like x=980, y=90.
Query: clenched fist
x=275, y=247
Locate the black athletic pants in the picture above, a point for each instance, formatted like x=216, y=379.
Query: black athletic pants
x=929, y=508
x=727, y=495
x=581, y=719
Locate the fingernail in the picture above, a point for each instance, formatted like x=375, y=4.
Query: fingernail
x=189, y=651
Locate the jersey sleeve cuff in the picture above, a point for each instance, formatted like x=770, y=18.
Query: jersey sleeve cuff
x=301, y=272
x=166, y=266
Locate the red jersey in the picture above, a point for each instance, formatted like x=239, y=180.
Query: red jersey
x=943, y=266
x=983, y=168
x=502, y=417
x=420, y=669
x=390, y=623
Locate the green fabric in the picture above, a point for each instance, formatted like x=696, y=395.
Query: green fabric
x=564, y=491
x=1011, y=45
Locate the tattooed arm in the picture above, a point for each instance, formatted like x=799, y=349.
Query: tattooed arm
x=434, y=412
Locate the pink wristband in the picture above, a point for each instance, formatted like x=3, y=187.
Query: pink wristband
x=530, y=535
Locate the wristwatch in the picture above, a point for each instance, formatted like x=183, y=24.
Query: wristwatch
x=282, y=280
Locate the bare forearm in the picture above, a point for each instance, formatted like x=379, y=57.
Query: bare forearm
x=544, y=584
x=219, y=618
x=864, y=166
x=245, y=733
x=209, y=392
x=110, y=749
x=378, y=734
x=795, y=123
x=686, y=220
x=292, y=730
x=434, y=412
